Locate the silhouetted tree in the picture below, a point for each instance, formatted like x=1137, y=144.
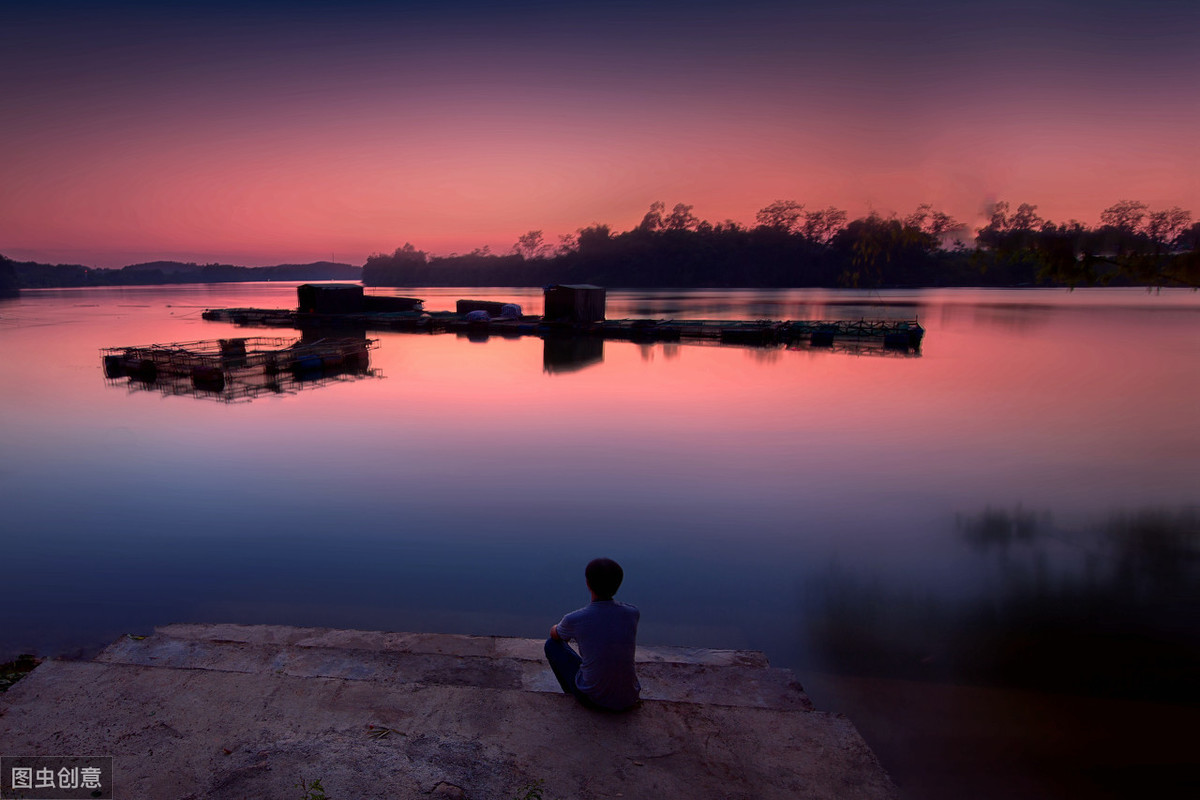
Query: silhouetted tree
x=782, y=215
x=1166, y=228
x=935, y=224
x=822, y=225
x=1132, y=246
x=1125, y=216
x=1189, y=239
x=681, y=218
x=1011, y=245
x=566, y=243
x=791, y=246
x=653, y=220
x=594, y=240
x=882, y=251
x=530, y=245
x=401, y=268
x=409, y=254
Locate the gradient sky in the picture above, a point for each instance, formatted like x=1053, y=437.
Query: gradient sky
x=267, y=132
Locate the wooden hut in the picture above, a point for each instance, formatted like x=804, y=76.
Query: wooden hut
x=574, y=303
x=330, y=298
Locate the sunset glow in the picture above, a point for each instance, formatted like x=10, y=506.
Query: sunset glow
x=264, y=133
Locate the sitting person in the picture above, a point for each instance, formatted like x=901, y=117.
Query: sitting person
x=601, y=675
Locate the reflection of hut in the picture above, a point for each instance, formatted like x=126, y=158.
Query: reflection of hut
x=571, y=353
x=574, y=303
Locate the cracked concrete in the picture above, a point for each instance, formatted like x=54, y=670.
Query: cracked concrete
x=229, y=711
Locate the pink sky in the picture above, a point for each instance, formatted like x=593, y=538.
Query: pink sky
x=134, y=133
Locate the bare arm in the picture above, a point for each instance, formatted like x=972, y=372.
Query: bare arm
x=554, y=633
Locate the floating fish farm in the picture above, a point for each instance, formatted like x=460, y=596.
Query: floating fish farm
x=239, y=368
x=570, y=311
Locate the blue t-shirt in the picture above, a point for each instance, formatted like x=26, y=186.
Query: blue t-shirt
x=606, y=631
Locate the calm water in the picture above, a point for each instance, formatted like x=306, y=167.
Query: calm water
x=977, y=542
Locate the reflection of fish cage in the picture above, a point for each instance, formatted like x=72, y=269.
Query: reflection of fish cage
x=855, y=347
x=238, y=369
x=896, y=335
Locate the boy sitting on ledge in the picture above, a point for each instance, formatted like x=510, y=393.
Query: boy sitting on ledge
x=601, y=675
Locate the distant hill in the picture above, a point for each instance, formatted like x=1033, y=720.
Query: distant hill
x=165, y=267
x=316, y=271
x=34, y=275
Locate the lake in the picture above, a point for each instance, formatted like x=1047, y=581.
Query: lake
x=986, y=554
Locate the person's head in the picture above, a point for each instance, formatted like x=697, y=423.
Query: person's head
x=603, y=577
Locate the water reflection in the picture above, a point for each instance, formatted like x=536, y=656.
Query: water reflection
x=239, y=369
x=669, y=350
x=571, y=353
x=1109, y=609
x=857, y=347
x=752, y=304
x=1014, y=318
x=715, y=477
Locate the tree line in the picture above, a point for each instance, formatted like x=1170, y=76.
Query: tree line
x=793, y=246
x=789, y=245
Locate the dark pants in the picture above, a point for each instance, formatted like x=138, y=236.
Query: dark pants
x=565, y=663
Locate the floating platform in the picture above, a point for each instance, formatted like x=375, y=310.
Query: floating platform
x=238, y=368
x=896, y=336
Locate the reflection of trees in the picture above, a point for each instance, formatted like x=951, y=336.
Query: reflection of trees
x=1151, y=557
x=999, y=529
x=1111, y=609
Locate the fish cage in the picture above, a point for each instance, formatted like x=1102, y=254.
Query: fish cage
x=238, y=368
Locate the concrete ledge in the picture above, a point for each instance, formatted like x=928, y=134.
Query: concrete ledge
x=719, y=677
x=440, y=643
x=236, y=711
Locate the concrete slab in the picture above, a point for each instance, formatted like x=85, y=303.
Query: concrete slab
x=444, y=643
x=235, y=711
x=678, y=674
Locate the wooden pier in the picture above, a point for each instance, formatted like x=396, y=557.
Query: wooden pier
x=897, y=336
x=571, y=311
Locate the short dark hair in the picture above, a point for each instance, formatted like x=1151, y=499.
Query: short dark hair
x=604, y=577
